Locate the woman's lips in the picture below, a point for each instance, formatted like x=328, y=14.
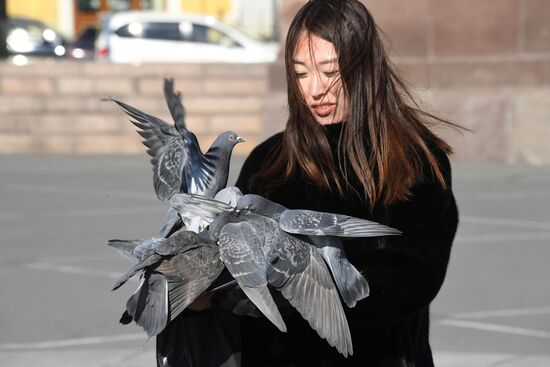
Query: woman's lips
x=323, y=110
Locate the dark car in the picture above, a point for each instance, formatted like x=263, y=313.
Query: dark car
x=83, y=47
x=31, y=37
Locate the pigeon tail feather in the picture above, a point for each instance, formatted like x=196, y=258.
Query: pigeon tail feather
x=264, y=301
x=125, y=247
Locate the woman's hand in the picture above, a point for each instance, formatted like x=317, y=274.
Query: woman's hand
x=203, y=302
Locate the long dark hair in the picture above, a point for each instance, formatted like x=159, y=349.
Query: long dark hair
x=385, y=139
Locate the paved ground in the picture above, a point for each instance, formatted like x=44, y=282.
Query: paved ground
x=56, y=214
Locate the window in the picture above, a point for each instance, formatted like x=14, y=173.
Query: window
x=89, y=5
x=204, y=34
x=158, y=31
x=172, y=31
x=120, y=5
x=86, y=39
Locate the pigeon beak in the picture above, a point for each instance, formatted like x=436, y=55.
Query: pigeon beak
x=240, y=140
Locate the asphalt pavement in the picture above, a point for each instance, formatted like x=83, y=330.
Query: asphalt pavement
x=56, y=309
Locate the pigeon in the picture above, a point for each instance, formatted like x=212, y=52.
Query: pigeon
x=259, y=254
x=179, y=166
x=323, y=230
x=198, y=210
x=176, y=271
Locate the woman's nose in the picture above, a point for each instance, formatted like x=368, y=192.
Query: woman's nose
x=317, y=87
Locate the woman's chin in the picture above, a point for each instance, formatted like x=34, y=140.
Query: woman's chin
x=329, y=120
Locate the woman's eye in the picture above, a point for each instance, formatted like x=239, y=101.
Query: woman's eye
x=330, y=74
x=301, y=75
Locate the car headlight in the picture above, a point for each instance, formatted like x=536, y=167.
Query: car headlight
x=59, y=50
x=49, y=35
x=77, y=53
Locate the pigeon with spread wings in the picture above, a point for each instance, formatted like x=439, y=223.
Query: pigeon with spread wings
x=258, y=253
x=323, y=230
x=179, y=166
x=176, y=270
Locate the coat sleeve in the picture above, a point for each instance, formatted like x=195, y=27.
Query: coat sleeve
x=406, y=272
x=254, y=162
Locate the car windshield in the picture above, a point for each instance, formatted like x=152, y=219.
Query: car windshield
x=28, y=30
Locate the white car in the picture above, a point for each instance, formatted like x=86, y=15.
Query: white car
x=140, y=37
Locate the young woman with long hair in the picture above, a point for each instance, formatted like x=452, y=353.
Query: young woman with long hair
x=356, y=143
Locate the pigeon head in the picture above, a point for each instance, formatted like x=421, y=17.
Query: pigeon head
x=228, y=139
x=215, y=227
x=249, y=202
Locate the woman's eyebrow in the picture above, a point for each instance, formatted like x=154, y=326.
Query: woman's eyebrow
x=328, y=61
x=324, y=62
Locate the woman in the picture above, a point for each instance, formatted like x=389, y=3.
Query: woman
x=355, y=143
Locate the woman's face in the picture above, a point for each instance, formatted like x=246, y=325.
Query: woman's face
x=316, y=67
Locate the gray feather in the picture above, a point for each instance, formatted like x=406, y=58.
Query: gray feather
x=308, y=222
x=178, y=163
x=148, y=306
x=351, y=284
x=137, y=267
x=230, y=196
x=262, y=299
x=125, y=248
x=189, y=275
x=304, y=280
x=241, y=251
x=173, y=100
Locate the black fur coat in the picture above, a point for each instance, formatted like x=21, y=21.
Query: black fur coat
x=405, y=273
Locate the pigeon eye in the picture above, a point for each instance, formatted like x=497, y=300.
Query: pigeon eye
x=231, y=137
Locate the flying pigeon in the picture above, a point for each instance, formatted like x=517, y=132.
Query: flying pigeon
x=258, y=253
x=176, y=271
x=320, y=229
x=179, y=166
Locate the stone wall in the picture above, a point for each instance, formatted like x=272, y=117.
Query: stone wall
x=484, y=64
x=56, y=107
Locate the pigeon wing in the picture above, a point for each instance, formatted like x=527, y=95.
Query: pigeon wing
x=230, y=195
x=151, y=260
x=126, y=248
x=189, y=274
x=301, y=275
x=350, y=283
x=190, y=205
x=167, y=169
x=260, y=205
x=173, y=101
x=180, y=241
x=197, y=211
x=241, y=251
x=198, y=174
x=309, y=222
x=175, y=153
x=166, y=146
x=147, y=248
x=148, y=306
x=170, y=222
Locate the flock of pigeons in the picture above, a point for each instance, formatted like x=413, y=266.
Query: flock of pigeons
x=266, y=247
